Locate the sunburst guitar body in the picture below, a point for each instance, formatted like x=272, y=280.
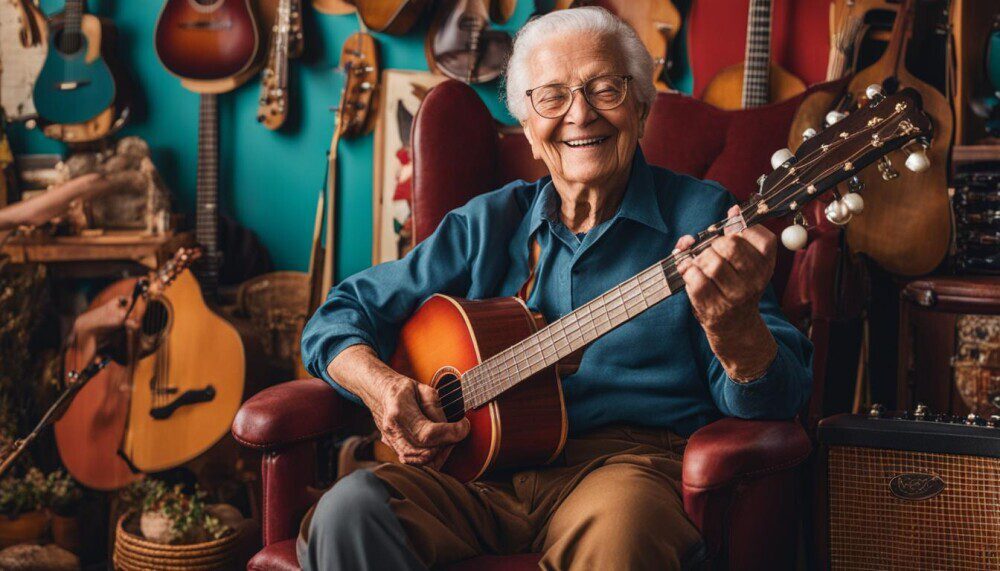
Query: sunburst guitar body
x=447, y=336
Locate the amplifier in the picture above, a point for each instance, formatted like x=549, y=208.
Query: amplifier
x=911, y=491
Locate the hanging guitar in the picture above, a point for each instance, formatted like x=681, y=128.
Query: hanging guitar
x=79, y=95
x=23, y=49
x=757, y=81
x=461, y=45
x=286, y=43
x=493, y=359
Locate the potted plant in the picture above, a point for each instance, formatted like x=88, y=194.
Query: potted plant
x=62, y=497
x=21, y=518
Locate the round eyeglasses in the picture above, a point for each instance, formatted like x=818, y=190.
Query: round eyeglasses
x=604, y=92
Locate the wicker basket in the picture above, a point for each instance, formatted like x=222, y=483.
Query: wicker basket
x=133, y=553
x=276, y=304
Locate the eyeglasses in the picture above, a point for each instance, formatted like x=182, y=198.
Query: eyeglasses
x=604, y=92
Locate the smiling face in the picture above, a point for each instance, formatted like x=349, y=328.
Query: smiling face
x=585, y=146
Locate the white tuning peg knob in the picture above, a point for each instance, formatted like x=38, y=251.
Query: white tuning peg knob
x=808, y=134
x=874, y=92
x=780, y=157
x=794, y=237
x=834, y=116
x=837, y=213
x=854, y=203
x=918, y=161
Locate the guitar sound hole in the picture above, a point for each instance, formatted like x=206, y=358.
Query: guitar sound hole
x=69, y=42
x=449, y=390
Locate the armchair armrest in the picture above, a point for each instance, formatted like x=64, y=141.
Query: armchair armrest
x=287, y=413
x=741, y=488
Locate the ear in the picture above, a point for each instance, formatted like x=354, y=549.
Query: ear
x=643, y=115
x=528, y=134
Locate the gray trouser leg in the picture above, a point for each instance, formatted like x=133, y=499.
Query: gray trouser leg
x=354, y=529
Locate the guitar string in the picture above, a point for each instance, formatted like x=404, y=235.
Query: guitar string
x=669, y=263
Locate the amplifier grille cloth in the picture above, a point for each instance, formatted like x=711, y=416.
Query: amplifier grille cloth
x=872, y=529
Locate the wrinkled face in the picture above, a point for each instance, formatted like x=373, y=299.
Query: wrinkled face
x=608, y=137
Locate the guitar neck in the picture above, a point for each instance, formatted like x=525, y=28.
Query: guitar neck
x=757, y=62
x=583, y=325
x=207, y=215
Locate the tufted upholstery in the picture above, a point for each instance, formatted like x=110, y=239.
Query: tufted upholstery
x=740, y=477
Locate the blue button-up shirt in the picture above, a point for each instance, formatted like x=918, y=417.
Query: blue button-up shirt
x=655, y=370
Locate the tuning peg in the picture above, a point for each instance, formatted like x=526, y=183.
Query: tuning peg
x=834, y=116
x=855, y=184
x=854, y=203
x=781, y=157
x=885, y=168
x=917, y=160
x=795, y=236
x=874, y=93
x=837, y=213
x=808, y=134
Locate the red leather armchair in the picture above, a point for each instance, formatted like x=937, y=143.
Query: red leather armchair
x=740, y=478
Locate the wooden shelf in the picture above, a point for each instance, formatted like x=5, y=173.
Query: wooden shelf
x=148, y=251
x=964, y=154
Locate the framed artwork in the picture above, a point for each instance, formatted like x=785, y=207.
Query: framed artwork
x=402, y=93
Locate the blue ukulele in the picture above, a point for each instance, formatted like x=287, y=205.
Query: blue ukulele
x=75, y=84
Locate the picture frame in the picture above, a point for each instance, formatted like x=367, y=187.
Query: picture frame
x=402, y=91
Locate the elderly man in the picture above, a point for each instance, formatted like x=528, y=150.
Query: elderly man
x=580, y=82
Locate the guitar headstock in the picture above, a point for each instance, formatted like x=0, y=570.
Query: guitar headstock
x=837, y=154
x=174, y=267
x=360, y=65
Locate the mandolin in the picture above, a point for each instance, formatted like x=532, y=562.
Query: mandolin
x=207, y=40
x=75, y=84
x=286, y=42
x=461, y=45
x=757, y=81
x=23, y=50
x=494, y=361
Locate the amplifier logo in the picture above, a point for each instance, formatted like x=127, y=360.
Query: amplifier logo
x=915, y=487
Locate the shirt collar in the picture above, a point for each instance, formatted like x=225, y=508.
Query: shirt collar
x=639, y=203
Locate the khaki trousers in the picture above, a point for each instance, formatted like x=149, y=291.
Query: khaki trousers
x=611, y=501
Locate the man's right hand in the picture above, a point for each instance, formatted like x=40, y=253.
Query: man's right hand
x=412, y=422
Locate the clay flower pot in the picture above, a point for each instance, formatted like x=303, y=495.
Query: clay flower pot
x=66, y=532
x=28, y=527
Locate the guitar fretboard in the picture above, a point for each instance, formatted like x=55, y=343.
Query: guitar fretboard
x=757, y=63
x=70, y=40
x=573, y=331
x=207, y=215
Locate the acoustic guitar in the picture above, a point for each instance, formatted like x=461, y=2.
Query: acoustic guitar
x=494, y=361
x=757, y=81
x=23, y=49
x=75, y=83
x=207, y=39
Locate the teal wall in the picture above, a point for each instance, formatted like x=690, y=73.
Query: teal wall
x=270, y=180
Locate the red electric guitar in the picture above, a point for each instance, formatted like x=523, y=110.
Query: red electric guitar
x=494, y=361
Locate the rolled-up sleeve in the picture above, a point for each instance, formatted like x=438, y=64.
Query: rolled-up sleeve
x=370, y=307
x=783, y=388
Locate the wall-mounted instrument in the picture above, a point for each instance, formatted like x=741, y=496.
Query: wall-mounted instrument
x=75, y=84
x=334, y=7
x=461, y=45
x=207, y=39
x=286, y=43
x=492, y=359
x=848, y=28
x=394, y=17
x=757, y=81
x=656, y=22
x=906, y=228
x=91, y=432
x=23, y=49
x=359, y=62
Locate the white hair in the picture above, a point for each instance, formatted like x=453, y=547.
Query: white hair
x=587, y=21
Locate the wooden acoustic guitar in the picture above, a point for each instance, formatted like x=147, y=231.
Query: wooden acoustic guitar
x=757, y=81
x=493, y=361
x=23, y=49
x=207, y=39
